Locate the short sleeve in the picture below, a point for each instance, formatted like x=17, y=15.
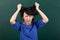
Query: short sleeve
x=40, y=23
x=17, y=26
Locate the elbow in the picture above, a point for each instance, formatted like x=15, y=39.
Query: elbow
x=12, y=22
x=46, y=20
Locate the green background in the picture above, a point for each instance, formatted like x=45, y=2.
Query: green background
x=51, y=31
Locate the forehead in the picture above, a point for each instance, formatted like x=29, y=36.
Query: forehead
x=25, y=14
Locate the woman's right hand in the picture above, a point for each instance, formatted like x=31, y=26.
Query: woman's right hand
x=19, y=6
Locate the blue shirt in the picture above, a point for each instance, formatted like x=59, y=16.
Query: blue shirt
x=28, y=32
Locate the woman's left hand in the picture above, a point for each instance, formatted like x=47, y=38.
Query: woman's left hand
x=37, y=5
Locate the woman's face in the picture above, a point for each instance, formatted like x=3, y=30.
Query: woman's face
x=27, y=18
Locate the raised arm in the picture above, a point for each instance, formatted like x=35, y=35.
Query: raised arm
x=14, y=16
x=44, y=17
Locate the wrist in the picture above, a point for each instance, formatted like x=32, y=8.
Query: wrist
x=37, y=9
x=18, y=9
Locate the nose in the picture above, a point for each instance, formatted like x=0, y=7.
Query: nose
x=28, y=19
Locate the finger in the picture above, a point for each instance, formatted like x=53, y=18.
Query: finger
x=35, y=3
x=19, y=4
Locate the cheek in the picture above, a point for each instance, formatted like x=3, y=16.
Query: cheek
x=24, y=18
x=31, y=18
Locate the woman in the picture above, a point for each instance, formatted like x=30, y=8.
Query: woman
x=28, y=28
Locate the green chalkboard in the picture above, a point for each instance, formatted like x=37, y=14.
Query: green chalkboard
x=51, y=31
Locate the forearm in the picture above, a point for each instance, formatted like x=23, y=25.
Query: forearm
x=44, y=17
x=14, y=16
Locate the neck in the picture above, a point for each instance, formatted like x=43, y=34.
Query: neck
x=27, y=23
